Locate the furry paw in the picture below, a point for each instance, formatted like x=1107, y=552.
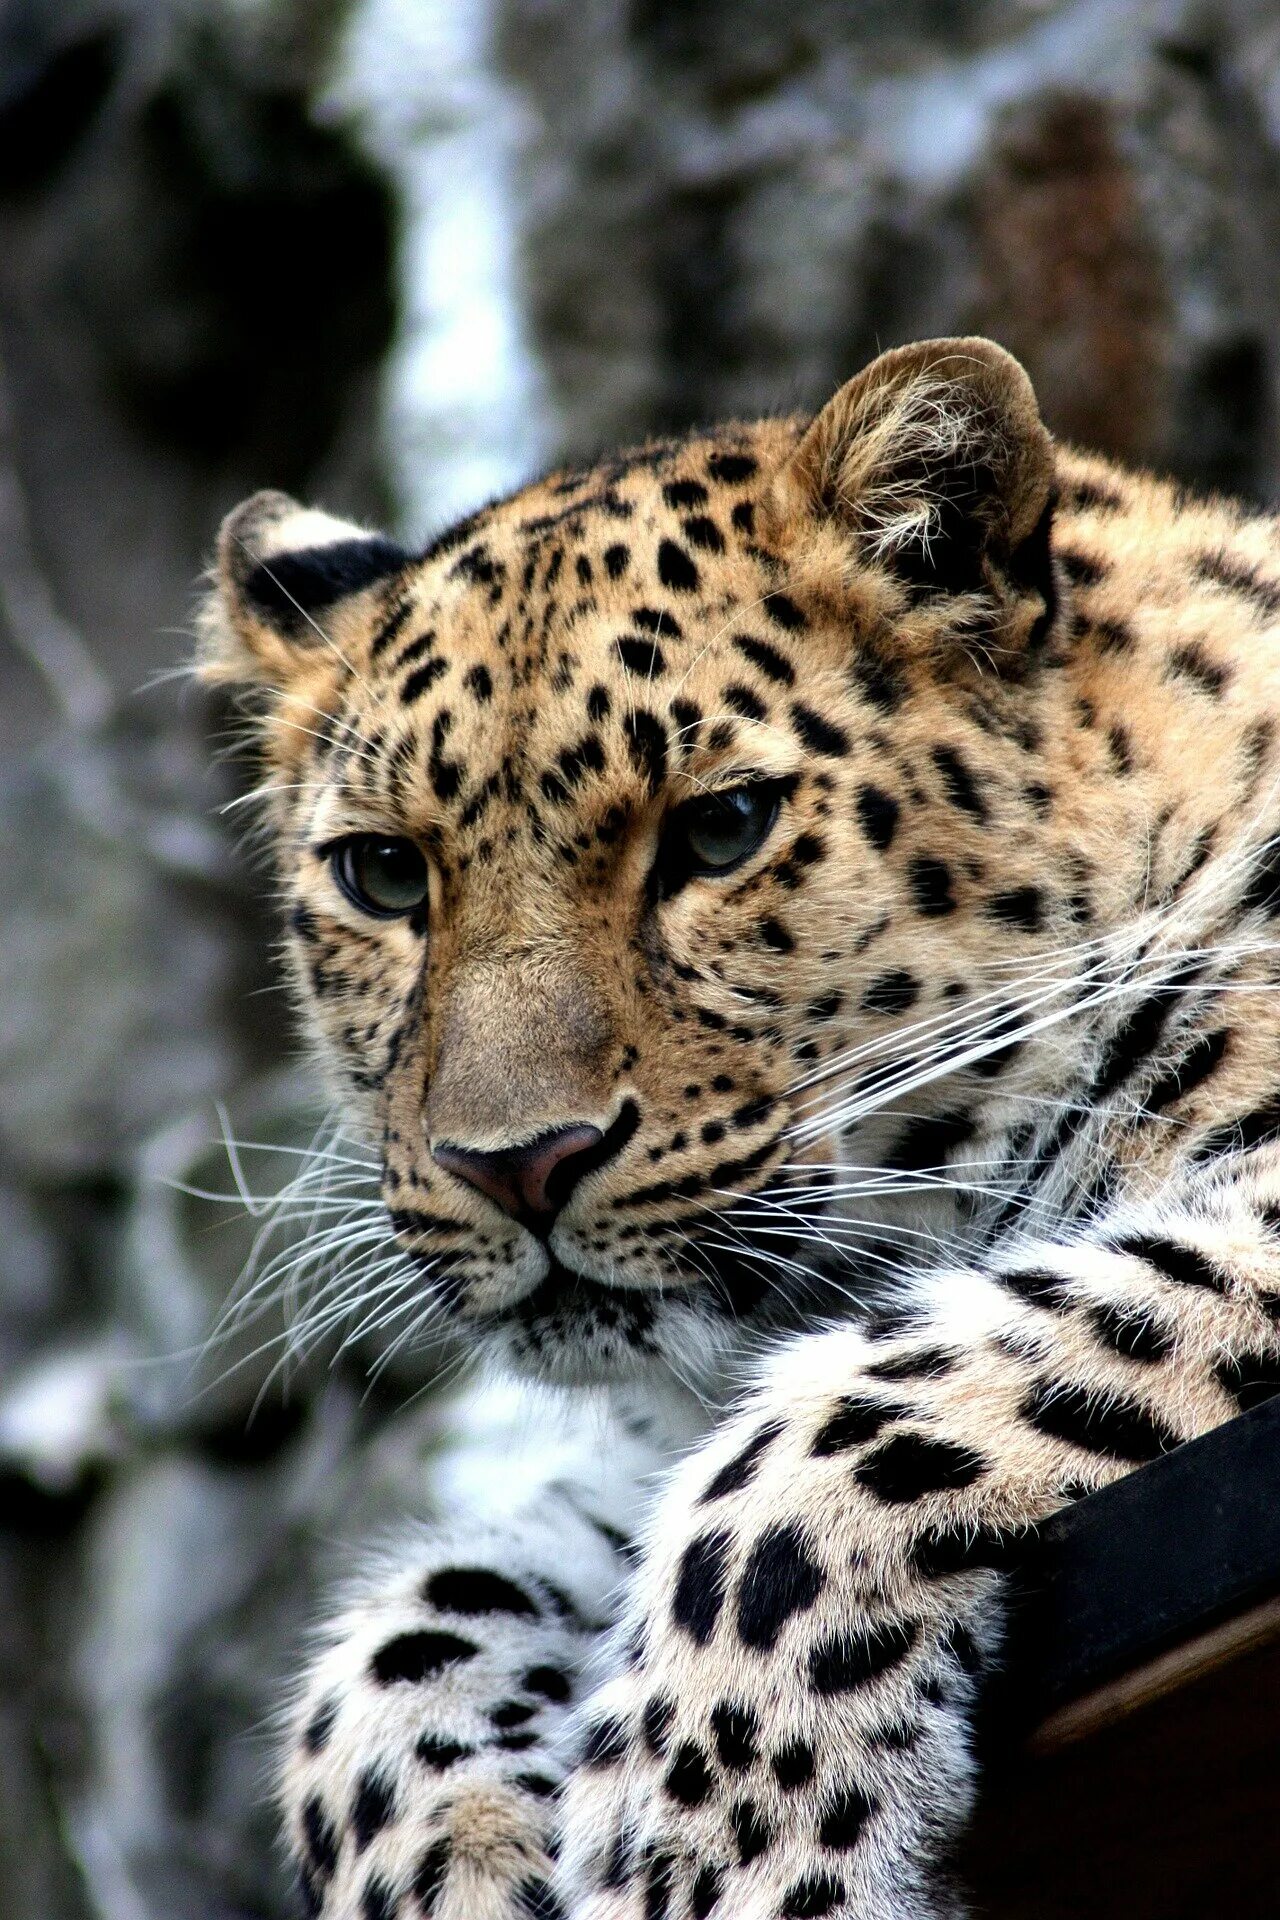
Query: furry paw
x=427, y=1748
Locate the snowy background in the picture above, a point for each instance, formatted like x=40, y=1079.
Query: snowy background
x=394, y=255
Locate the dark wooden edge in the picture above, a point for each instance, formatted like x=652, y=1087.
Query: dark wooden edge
x=1160, y=1557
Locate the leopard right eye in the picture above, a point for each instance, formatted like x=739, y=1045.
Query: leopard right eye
x=380, y=874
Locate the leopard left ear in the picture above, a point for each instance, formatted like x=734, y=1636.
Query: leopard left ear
x=281, y=581
x=934, y=465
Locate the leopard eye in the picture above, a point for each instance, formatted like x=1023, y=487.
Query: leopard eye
x=720, y=830
x=379, y=874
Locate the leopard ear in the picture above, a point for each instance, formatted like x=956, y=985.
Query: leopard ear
x=935, y=462
x=281, y=580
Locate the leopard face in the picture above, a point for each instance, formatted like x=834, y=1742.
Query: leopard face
x=626, y=830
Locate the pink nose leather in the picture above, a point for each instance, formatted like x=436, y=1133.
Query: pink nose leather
x=530, y=1181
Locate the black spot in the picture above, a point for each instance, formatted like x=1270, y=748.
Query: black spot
x=1262, y=894
x=477, y=1590
x=878, y=813
x=478, y=565
x=615, y=561
x=656, y=620
x=775, y=935
x=1018, y=907
x=585, y=756
x=319, y=1838
x=1113, y=1425
x=541, y=1785
x=373, y=1808
x=1239, y=1136
x=812, y=1896
x=1131, y=1331
x=739, y=1471
x=657, y=1887
x=744, y=517
x=844, y=1661
x=1174, y=1260
x=1199, y=1061
x=962, y=1549
x=378, y=1901
x=878, y=679
x=702, y=532
x=893, y=992
x=644, y=657
x=855, y=1421
x=320, y=1726
x=390, y=628
x=1136, y=1039
x=511, y=1713
x=731, y=468
x=445, y=775
x=1089, y=495
x=684, y=493
x=421, y=679
x=598, y=703
x=440, y=1755
x=909, y=1465
x=1238, y=577
x=688, y=1778
x=774, y=665
x=647, y=746
x=736, y=1731
x=959, y=782
x=793, y=1765
x=428, y=1881
x=1121, y=748
x=931, y=886
x=1080, y=570
x=706, y=1892
x=741, y=700
x=1249, y=1378
x=826, y=1007
x=781, y=1578
x=676, y=568
x=655, y=1723
x=917, y=1363
x=415, y=1657
x=688, y=719
x=844, y=1818
x=538, y=1902
x=549, y=1682
x=480, y=682
x=751, y=1830
x=1191, y=663
x=605, y=1743
x=1037, y=1286
x=818, y=735
x=782, y=609
x=700, y=1585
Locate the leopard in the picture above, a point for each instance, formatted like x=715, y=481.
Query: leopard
x=791, y=909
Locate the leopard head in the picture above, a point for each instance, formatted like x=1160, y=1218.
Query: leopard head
x=626, y=831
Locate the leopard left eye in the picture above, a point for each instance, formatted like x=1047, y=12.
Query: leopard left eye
x=718, y=831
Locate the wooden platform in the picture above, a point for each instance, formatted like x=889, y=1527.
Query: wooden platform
x=1135, y=1769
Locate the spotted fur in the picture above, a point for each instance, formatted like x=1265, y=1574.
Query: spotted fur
x=938, y=1138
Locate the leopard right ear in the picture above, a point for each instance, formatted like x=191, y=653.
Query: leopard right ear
x=277, y=607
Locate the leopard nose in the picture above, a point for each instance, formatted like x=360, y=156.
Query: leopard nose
x=531, y=1182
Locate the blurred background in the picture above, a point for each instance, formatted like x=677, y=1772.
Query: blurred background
x=395, y=255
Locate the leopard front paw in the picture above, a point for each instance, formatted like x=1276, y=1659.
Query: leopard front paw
x=478, y=1851
x=426, y=1753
